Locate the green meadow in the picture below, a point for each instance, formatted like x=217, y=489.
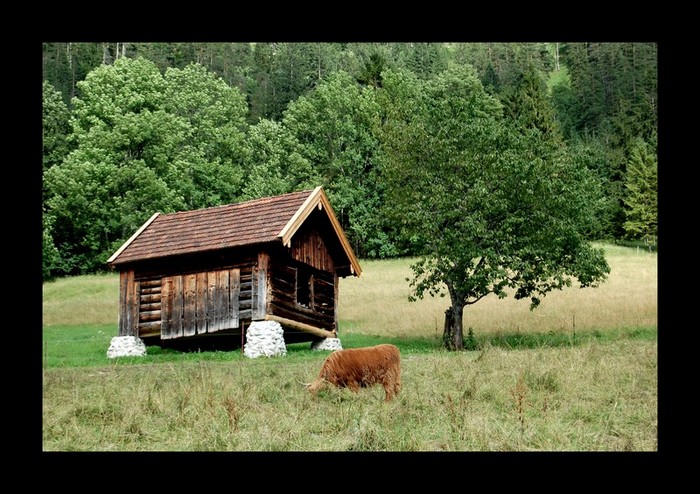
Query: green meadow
x=579, y=373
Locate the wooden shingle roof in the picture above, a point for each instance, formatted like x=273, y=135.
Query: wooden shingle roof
x=263, y=220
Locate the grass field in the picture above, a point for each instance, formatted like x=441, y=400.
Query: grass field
x=377, y=302
x=577, y=374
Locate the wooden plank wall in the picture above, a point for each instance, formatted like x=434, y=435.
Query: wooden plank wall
x=182, y=305
x=196, y=263
x=195, y=304
x=149, y=307
x=308, y=247
x=189, y=305
x=161, y=300
x=260, y=287
x=335, y=301
x=129, y=306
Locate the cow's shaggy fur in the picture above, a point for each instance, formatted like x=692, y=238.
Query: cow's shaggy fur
x=357, y=368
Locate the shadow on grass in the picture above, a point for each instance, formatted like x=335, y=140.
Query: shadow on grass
x=72, y=350
x=559, y=339
x=512, y=341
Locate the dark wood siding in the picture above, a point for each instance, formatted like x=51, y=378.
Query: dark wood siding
x=149, y=310
x=308, y=247
x=129, y=307
x=222, y=291
x=201, y=263
x=260, y=287
x=171, y=307
x=188, y=304
x=172, y=297
x=195, y=304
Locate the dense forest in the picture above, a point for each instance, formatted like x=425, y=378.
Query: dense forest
x=134, y=128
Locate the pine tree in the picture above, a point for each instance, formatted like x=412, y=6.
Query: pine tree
x=640, y=198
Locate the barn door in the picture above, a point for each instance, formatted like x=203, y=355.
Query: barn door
x=200, y=303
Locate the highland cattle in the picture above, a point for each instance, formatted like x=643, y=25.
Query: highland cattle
x=357, y=368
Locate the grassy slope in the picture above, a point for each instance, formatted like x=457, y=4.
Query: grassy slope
x=80, y=314
x=597, y=395
x=377, y=302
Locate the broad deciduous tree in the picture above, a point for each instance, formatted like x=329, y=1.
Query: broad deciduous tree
x=178, y=130
x=118, y=174
x=55, y=127
x=274, y=163
x=334, y=124
x=144, y=143
x=213, y=114
x=496, y=209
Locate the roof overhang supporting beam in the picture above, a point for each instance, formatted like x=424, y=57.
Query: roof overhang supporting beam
x=131, y=239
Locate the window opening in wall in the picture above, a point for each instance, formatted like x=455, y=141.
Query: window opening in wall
x=305, y=287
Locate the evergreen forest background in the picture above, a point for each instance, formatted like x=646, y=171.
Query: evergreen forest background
x=134, y=128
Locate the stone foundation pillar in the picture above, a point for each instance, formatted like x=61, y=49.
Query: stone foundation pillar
x=264, y=339
x=126, y=346
x=327, y=344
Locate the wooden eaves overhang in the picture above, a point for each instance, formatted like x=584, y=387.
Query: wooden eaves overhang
x=148, y=244
x=132, y=238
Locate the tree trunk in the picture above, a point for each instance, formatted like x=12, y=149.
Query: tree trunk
x=447, y=330
x=453, y=336
x=72, y=70
x=105, y=54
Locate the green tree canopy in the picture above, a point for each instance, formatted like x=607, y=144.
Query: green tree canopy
x=641, y=185
x=55, y=127
x=274, y=163
x=56, y=131
x=495, y=209
x=144, y=143
x=174, y=118
x=334, y=125
x=213, y=114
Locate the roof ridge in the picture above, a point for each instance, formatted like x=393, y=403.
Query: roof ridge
x=242, y=203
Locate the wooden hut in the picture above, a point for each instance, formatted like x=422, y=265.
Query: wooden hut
x=189, y=276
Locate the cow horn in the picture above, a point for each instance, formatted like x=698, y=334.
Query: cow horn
x=304, y=384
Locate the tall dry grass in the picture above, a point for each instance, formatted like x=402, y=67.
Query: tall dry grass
x=377, y=303
x=591, y=397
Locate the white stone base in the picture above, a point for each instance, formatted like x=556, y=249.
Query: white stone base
x=327, y=344
x=264, y=339
x=126, y=346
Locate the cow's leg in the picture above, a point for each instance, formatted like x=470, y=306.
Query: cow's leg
x=392, y=384
x=388, y=385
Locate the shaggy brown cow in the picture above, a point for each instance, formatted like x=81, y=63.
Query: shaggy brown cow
x=357, y=368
